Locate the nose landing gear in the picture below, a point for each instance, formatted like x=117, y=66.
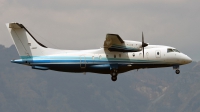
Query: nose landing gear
x=114, y=74
x=176, y=67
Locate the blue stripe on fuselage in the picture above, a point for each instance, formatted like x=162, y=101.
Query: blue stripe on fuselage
x=76, y=59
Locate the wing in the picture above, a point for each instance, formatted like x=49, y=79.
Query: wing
x=112, y=39
x=114, y=42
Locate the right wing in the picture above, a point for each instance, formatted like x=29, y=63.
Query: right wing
x=113, y=39
x=114, y=42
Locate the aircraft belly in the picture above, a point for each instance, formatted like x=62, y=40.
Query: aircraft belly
x=63, y=67
x=77, y=68
x=97, y=68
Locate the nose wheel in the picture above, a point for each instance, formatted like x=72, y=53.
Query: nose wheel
x=114, y=74
x=176, y=67
x=177, y=71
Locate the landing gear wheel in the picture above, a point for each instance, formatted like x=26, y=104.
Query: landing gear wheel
x=114, y=75
x=177, y=71
x=114, y=78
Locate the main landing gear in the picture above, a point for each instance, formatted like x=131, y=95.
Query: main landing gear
x=114, y=74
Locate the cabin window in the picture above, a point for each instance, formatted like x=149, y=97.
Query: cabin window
x=114, y=56
x=169, y=50
x=133, y=54
x=158, y=53
x=147, y=54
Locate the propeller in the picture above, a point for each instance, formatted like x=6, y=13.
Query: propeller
x=143, y=44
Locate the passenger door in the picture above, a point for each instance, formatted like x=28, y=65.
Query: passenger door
x=82, y=62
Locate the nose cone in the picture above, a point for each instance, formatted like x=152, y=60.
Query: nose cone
x=187, y=59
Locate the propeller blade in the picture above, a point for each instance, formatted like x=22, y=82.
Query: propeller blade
x=143, y=44
x=143, y=51
x=142, y=38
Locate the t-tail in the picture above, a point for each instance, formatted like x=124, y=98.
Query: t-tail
x=27, y=46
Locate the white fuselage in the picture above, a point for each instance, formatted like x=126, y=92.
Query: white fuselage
x=116, y=56
x=101, y=60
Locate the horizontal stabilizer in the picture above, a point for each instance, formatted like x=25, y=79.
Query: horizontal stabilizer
x=14, y=25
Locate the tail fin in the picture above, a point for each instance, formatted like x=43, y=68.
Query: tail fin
x=24, y=41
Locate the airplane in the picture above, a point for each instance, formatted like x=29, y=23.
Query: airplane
x=116, y=56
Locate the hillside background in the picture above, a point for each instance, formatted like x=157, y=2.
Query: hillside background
x=147, y=90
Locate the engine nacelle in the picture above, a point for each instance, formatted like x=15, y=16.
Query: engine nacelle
x=127, y=46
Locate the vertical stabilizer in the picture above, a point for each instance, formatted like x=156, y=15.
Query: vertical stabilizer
x=24, y=41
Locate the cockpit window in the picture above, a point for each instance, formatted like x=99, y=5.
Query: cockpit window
x=175, y=50
x=172, y=50
x=169, y=50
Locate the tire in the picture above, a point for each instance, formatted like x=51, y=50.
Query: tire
x=114, y=78
x=177, y=71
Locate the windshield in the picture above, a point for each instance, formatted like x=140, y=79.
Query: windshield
x=175, y=50
x=172, y=50
x=169, y=50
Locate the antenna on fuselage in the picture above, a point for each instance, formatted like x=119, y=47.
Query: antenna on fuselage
x=143, y=44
